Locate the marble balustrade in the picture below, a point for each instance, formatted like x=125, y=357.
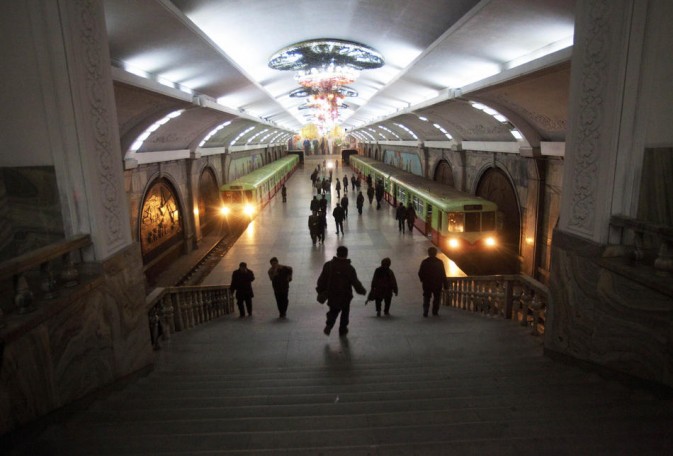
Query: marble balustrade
x=172, y=309
x=515, y=297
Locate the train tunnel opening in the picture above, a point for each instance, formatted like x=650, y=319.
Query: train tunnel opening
x=495, y=186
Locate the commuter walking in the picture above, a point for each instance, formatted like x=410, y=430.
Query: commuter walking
x=379, y=191
x=411, y=217
x=338, y=189
x=359, y=202
x=370, y=194
x=315, y=204
x=344, y=204
x=336, y=281
x=280, y=276
x=314, y=224
x=283, y=192
x=338, y=214
x=345, y=183
x=401, y=217
x=383, y=286
x=369, y=180
x=322, y=229
x=241, y=285
x=354, y=182
x=433, y=278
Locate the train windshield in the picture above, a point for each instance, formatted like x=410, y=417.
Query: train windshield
x=472, y=222
x=232, y=197
x=488, y=221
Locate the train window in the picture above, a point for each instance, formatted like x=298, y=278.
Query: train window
x=418, y=205
x=472, y=222
x=248, y=195
x=487, y=221
x=401, y=195
x=456, y=222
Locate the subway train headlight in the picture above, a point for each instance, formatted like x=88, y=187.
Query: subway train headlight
x=225, y=210
x=490, y=241
x=453, y=243
x=249, y=210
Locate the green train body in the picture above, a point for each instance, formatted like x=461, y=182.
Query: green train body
x=246, y=195
x=455, y=221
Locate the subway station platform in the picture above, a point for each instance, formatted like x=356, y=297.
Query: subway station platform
x=403, y=384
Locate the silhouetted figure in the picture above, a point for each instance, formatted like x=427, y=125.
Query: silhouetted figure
x=241, y=285
x=280, y=276
x=337, y=280
x=433, y=278
x=383, y=286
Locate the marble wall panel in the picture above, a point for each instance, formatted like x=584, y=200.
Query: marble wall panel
x=606, y=318
x=101, y=336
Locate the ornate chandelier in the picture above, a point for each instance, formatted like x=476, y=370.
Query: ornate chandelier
x=324, y=67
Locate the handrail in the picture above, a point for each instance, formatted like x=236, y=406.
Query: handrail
x=513, y=296
x=36, y=257
x=173, y=309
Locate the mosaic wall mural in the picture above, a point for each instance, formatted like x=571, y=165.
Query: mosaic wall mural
x=407, y=161
x=160, y=220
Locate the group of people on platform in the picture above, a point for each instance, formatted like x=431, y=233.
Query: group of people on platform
x=338, y=277
x=336, y=283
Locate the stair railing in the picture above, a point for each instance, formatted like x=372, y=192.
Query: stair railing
x=516, y=297
x=172, y=309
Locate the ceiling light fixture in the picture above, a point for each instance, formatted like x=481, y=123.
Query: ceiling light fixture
x=323, y=68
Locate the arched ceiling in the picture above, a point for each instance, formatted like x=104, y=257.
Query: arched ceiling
x=209, y=58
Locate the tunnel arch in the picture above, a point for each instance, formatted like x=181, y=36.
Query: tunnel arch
x=495, y=185
x=208, y=200
x=444, y=173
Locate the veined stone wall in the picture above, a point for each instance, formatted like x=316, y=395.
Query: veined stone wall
x=76, y=345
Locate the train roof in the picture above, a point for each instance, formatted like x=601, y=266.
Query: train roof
x=440, y=195
x=260, y=175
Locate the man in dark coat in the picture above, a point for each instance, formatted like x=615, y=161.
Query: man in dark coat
x=411, y=217
x=346, y=183
x=369, y=180
x=433, y=278
x=383, y=286
x=353, y=181
x=322, y=229
x=241, y=284
x=314, y=226
x=359, y=202
x=283, y=192
x=338, y=214
x=379, y=191
x=370, y=194
x=401, y=217
x=337, y=280
x=344, y=204
x=315, y=204
x=280, y=276
x=338, y=188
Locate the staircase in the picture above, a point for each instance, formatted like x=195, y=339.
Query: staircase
x=506, y=399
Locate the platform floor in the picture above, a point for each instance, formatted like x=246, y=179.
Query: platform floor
x=458, y=383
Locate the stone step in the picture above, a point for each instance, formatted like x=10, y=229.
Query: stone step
x=570, y=396
x=506, y=432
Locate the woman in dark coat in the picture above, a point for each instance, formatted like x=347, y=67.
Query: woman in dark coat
x=383, y=286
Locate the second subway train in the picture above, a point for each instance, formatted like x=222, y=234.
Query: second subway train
x=456, y=221
x=246, y=195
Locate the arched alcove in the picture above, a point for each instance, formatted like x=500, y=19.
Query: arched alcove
x=160, y=226
x=444, y=173
x=496, y=186
x=208, y=201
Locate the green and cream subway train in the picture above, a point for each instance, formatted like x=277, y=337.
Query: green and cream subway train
x=456, y=222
